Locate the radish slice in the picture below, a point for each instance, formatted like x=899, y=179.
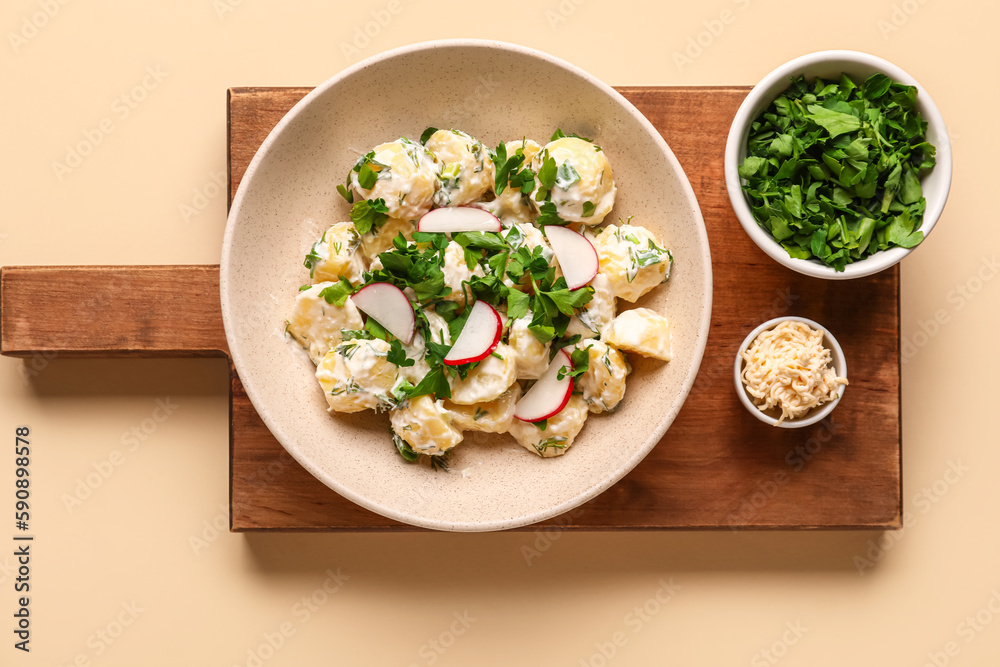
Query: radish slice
x=386, y=304
x=458, y=219
x=576, y=254
x=549, y=395
x=480, y=336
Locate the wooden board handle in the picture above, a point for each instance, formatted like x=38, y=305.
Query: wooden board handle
x=111, y=311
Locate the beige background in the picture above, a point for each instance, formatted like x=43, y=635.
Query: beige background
x=215, y=602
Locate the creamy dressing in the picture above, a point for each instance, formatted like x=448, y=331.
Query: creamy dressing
x=603, y=385
x=560, y=431
x=466, y=169
x=632, y=259
x=530, y=354
x=356, y=375
x=316, y=324
x=487, y=381
x=406, y=179
x=585, y=189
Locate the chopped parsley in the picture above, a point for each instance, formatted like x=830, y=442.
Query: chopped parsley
x=550, y=302
x=435, y=383
x=397, y=355
x=427, y=135
x=313, y=258
x=549, y=216
x=338, y=292
x=511, y=170
x=344, y=190
x=546, y=176
x=833, y=169
x=566, y=176
x=408, y=265
x=403, y=448
x=580, y=359
x=367, y=175
x=367, y=214
x=559, y=134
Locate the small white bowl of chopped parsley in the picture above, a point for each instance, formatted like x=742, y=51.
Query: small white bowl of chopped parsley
x=838, y=164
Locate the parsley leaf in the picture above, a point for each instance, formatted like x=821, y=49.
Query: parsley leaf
x=313, y=258
x=397, y=355
x=345, y=193
x=517, y=304
x=489, y=241
x=834, y=122
x=338, y=292
x=548, y=215
x=369, y=213
x=566, y=176
x=446, y=309
x=408, y=266
x=435, y=383
x=559, y=134
x=436, y=239
x=367, y=177
x=404, y=448
x=505, y=166
x=366, y=174
x=566, y=300
x=546, y=177
x=523, y=180
x=580, y=359
x=376, y=329
x=427, y=134
x=525, y=261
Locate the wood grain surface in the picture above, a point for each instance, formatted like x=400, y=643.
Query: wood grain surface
x=717, y=466
x=111, y=311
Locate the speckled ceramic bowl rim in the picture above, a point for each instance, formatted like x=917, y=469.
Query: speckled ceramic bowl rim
x=837, y=357
x=762, y=94
x=235, y=348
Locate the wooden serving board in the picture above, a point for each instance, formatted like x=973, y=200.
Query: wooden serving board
x=717, y=466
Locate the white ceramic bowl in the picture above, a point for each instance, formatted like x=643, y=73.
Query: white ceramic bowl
x=817, y=414
x=287, y=198
x=830, y=64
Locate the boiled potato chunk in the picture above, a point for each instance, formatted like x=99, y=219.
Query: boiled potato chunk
x=603, y=384
x=560, y=431
x=491, y=417
x=406, y=178
x=488, y=380
x=356, y=376
x=632, y=259
x=466, y=169
x=425, y=425
x=643, y=331
x=336, y=254
x=584, y=188
x=316, y=324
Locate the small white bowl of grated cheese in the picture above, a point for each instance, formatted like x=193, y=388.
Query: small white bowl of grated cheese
x=790, y=372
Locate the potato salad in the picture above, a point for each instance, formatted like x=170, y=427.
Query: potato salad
x=478, y=289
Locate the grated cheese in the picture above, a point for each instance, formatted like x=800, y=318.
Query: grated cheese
x=787, y=367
